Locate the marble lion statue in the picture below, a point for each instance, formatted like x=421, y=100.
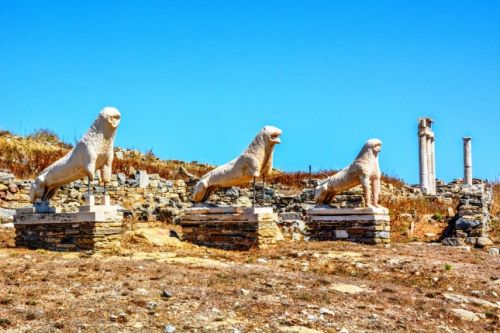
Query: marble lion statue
x=255, y=162
x=93, y=152
x=364, y=170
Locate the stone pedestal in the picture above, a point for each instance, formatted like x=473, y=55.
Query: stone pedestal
x=231, y=228
x=94, y=227
x=361, y=225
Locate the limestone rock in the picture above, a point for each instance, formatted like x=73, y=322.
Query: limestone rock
x=347, y=288
x=494, y=251
x=465, y=315
x=297, y=329
x=483, y=241
x=156, y=237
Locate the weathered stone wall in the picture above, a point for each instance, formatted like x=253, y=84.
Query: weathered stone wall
x=470, y=224
x=152, y=198
x=231, y=228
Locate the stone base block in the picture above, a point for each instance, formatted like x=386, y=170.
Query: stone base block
x=362, y=225
x=231, y=228
x=79, y=231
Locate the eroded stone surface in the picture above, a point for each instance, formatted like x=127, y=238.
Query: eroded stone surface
x=93, y=152
x=255, y=162
x=364, y=170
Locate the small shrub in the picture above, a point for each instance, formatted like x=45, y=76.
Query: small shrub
x=44, y=135
x=437, y=217
x=4, y=322
x=448, y=267
x=5, y=301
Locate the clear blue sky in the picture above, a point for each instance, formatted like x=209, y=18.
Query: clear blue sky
x=196, y=80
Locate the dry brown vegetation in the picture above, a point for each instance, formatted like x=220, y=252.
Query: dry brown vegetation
x=429, y=216
x=27, y=157
x=495, y=209
x=404, y=288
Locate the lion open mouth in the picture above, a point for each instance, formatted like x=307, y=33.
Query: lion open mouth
x=275, y=137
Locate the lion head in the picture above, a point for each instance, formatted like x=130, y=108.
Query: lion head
x=374, y=144
x=271, y=134
x=111, y=115
x=371, y=148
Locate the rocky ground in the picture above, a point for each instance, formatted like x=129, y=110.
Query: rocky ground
x=296, y=287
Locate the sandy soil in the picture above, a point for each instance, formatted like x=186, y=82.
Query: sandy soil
x=320, y=286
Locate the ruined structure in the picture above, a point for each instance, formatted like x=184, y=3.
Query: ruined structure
x=470, y=225
x=365, y=225
x=426, y=156
x=231, y=228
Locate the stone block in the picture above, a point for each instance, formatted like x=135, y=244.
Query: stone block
x=142, y=178
x=231, y=228
x=363, y=225
x=79, y=231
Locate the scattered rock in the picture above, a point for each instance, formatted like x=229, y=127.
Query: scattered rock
x=297, y=329
x=494, y=251
x=468, y=299
x=169, y=328
x=465, y=315
x=151, y=305
x=156, y=237
x=483, y=241
x=347, y=288
x=166, y=294
x=452, y=241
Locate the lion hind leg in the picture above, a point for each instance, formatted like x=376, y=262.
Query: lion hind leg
x=49, y=194
x=200, y=191
x=321, y=195
x=375, y=191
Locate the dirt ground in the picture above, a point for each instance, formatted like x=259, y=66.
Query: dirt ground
x=294, y=287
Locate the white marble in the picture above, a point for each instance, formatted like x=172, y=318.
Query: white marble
x=93, y=152
x=467, y=160
x=363, y=170
x=256, y=162
x=427, y=160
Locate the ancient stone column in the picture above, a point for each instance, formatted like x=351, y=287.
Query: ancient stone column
x=426, y=156
x=433, y=164
x=429, y=166
x=467, y=161
x=423, y=162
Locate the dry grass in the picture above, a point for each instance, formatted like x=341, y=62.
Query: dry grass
x=429, y=216
x=495, y=209
x=495, y=213
x=28, y=157
x=166, y=169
